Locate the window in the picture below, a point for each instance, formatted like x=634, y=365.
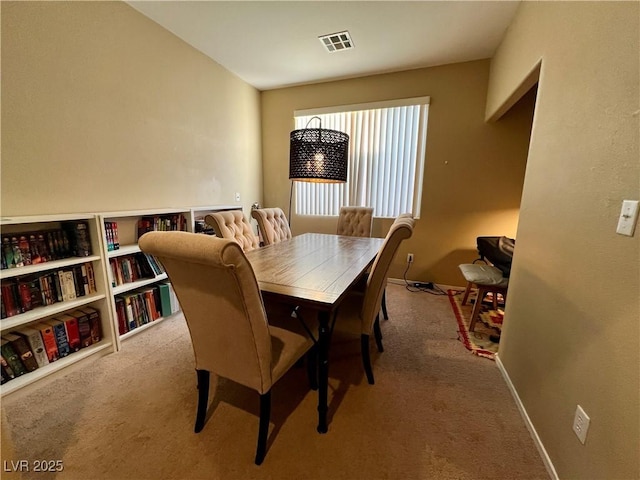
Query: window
x=386, y=158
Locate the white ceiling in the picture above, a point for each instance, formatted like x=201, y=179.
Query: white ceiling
x=272, y=44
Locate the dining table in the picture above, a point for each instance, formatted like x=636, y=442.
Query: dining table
x=315, y=271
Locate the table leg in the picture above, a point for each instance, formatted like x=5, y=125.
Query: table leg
x=323, y=370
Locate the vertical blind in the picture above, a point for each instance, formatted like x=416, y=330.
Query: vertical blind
x=386, y=160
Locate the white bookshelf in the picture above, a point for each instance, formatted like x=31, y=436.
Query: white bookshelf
x=127, y=226
x=30, y=318
x=103, y=299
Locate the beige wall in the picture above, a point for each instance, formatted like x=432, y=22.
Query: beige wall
x=572, y=326
x=473, y=174
x=102, y=109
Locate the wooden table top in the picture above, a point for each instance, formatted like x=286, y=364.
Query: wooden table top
x=314, y=268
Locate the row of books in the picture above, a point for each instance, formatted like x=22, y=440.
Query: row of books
x=111, y=230
x=134, y=267
x=201, y=226
x=35, y=346
x=24, y=293
x=30, y=248
x=135, y=309
x=162, y=223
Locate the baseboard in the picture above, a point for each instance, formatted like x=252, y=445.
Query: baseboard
x=536, y=439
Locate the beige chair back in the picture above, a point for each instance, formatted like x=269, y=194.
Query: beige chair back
x=401, y=229
x=273, y=224
x=355, y=221
x=234, y=226
x=221, y=301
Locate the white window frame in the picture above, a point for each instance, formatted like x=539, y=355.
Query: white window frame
x=335, y=195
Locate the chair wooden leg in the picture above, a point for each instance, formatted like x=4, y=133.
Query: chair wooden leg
x=466, y=293
x=366, y=359
x=384, y=304
x=312, y=367
x=475, y=313
x=377, y=333
x=203, y=398
x=265, y=414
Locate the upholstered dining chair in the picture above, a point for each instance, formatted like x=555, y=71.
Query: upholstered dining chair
x=359, y=312
x=233, y=225
x=230, y=331
x=355, y=221
x=273, y=224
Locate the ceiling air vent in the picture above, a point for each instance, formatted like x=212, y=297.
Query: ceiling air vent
x=334, y=42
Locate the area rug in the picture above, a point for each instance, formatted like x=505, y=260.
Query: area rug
x=488, y=325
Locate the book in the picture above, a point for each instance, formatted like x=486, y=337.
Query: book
x=72, y=330
x=55, y=282
x=175, y=305
x=25, y=250
x=82, y=282
x=16, y=260
x=10, y=298
x=68, y=284
x=7, y=253
x=12, y=358
x=79, y=237
x=94, y=319
x=60, y=333
x=149, y=297
x=49, y=340
x=84, y=327
x=116, y=240
x=45, y=290
x=129, y=312
x=122, y=316
x=108, y=233
x=22, y=348
x=165, y=299
x=28, y=286
x=91, y=277
x=43, y=247
x=34, y=339
x=34, y=247
x=6, y=372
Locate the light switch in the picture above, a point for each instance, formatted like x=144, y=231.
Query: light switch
x=628, y=218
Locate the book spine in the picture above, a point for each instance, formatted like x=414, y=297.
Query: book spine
x=34, y=339
x=91, y=277
x=94, y=319
x=165, y=299
x=9, y=299
x=116, y=240
x=73, y=332
x=7, y=372
x=12, y=358
x=122, y=316
x=21, y=347
x=61, y=338
x=84, y=327
x=79, y=238
x=49, y=340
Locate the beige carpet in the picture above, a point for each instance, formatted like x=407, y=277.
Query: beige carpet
x=435, y=412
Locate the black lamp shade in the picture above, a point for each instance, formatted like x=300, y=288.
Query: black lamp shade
x=318, y=155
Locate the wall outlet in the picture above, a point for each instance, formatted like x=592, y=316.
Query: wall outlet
x=581, y=424
x=628, y=218
x=409, y=257
x=237, y=196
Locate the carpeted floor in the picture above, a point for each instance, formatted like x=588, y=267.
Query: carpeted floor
x=435, y=412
